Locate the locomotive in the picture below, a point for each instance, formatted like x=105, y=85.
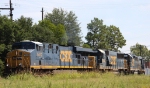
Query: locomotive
x=32, y=55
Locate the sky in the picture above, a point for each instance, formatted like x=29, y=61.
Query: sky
x=131, y=16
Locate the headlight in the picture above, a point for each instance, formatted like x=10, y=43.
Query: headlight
x=7, y=65
x=20, y=64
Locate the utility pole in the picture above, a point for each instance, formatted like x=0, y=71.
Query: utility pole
x=11, y=15
x=42, y=13
x=11, y=9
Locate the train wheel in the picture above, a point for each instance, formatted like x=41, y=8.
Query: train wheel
x=122, y=72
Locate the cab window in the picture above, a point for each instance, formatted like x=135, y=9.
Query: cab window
x=39, y=48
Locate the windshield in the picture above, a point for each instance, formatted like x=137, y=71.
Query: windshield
x=23, y=45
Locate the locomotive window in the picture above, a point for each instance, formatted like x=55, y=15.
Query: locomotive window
x=16, y=46
x=125, y=56
x=23, y=45
x=120, y=56
x=107, y=52
x=39, y=48
x=30, y=46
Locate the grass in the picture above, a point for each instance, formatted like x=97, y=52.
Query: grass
x=76, y=80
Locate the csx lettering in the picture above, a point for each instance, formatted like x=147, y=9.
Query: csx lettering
x=113, y=60
x=65, y=56
x=132, y=62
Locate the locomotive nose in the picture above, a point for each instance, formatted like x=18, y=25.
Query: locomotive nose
x=17, y=58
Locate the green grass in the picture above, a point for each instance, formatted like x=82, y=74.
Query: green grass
x=76, y=80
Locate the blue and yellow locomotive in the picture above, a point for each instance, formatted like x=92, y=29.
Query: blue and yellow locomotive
x=36, y=55
x=33, y=55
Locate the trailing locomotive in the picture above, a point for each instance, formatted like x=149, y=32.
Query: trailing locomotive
x=33, y=55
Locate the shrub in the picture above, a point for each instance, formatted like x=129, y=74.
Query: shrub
x=1, y=67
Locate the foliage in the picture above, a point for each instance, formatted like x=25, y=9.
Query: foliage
x=85, y=45
x=140, y=50
x=60, y=35
x=1, y=67
x=2, y=48
x=57, y=32
x=114, y=38
x=42, y=34
x=23, y=29
x=104, y=37
x=94, y=36
x=7, y=28
x=69, y=20
x=76, y=80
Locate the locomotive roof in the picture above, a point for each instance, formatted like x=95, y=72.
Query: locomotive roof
x=81, y=49
x=126, y=54
x=35, y=42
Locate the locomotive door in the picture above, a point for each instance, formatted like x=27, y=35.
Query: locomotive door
x=91, y=60
x=39, y=55
x=125, y=63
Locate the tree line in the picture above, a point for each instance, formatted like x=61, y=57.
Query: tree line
x=60, y=27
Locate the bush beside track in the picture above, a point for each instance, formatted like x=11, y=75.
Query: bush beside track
x=1, y=67
x=76, y=80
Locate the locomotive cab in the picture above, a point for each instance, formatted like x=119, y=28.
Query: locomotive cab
x=21, y=54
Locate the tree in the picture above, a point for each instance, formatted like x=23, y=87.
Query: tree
x=114, y=38
x=42, y=34
x=7, y=28
x=60, y=35
x=57, y=33
x=69, y=20
x=1, y=67
x=104, y=37
x=140, y=50
x=23, y=29
x=148, y=55
x=85, y=45
x=94, y=35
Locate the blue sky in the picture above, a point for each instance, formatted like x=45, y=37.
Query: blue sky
x=131, y=16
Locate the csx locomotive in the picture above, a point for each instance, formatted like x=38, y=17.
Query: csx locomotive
x=34, y=55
